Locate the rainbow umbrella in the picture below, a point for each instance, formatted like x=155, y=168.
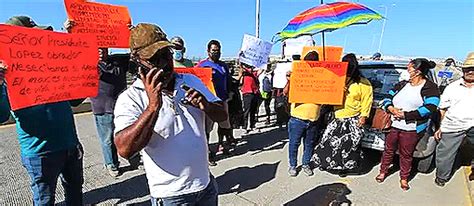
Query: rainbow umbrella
x=328, y=17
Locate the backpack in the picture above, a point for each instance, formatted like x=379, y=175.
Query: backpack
x=266, y=84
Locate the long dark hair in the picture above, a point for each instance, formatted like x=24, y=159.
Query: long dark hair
x=423, y=65
x=353, y=67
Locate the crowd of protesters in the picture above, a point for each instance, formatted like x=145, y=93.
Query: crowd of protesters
x=167, y=118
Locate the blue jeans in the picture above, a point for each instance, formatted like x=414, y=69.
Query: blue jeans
x=300, y=129
x=44, y=171
x=206, y=197
x=105, y=129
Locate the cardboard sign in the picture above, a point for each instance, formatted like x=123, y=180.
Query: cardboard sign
x=318, y=82
x=295, y=45
x=204, y=74
x=45, y=66
x=445, y=74
x=333, y=53
x=279, y=75
x=107, y=22
x=255, y=51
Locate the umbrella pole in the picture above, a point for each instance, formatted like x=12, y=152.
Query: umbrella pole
x=324, y=49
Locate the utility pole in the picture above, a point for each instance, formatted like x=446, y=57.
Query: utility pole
x=257, y=19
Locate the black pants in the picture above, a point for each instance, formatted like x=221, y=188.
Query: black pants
x=250, y=110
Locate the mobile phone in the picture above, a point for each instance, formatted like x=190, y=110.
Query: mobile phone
x=185, y=88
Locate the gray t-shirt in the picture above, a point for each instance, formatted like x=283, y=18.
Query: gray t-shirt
x=407, y=99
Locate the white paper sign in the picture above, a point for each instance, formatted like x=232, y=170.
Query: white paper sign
x=279, y=76
x=255, y=51
x=295, y=46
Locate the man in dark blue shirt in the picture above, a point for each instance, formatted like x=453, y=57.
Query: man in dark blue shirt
x=220, y=78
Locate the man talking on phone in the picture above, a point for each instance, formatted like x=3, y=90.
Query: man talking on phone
x=162, y=115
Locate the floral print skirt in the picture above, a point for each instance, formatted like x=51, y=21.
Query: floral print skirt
x=339, y=148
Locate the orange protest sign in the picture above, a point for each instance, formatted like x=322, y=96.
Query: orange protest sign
x=318, y=82
x=45, y=66
x=108, y=23
x=333, y=53
x=205, y=74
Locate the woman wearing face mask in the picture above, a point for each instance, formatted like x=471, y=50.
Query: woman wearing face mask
x=411, y=105
x=339, y=149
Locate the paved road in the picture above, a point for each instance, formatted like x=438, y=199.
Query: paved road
x=255, y=175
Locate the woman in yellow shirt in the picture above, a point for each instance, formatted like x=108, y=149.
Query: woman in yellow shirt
x=339, y=149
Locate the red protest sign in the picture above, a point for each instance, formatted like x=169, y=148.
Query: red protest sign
x=318, y=82
x=45, y=66
x=108, y=23
x=204, y=74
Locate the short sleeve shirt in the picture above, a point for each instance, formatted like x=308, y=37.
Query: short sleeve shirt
x=175, y=158
x=220, y=73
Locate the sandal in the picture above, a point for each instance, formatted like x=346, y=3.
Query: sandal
x=404, y=185
x=380, y=178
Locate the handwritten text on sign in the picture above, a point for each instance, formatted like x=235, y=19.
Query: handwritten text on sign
x=318, y=82
x=255, y=51
x=46, y=66
x=204, y=74
x=109, y=23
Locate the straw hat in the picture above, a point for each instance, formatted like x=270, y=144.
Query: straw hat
x=469, y=61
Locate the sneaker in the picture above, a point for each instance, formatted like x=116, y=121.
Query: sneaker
x=292, y=171
x=440, y=182
x=212, y=163
x=307, y=170
x=113, y=172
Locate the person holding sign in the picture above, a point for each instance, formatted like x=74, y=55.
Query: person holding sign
x=221, y=79
x=412, y=105
x=112, y=81
x=178, y=53
x=248, y=77
x=339, y=149
x=302, y=126
x=48, y=140
x=162, y=115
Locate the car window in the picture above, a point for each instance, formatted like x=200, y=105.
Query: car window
x=382, y=79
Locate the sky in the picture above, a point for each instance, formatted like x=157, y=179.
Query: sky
x=428, y=28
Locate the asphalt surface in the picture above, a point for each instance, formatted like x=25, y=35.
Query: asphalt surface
x=255, y=175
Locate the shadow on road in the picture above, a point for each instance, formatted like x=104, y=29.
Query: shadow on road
x=259, y=142
x=329, y=194
x=127, y=190
x=246, y=178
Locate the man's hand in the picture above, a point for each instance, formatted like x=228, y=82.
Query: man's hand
x=153, y=87
x=196, y=99
x=68, y=24
x=437, y=135
x=361, y=121
x=3, y=69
